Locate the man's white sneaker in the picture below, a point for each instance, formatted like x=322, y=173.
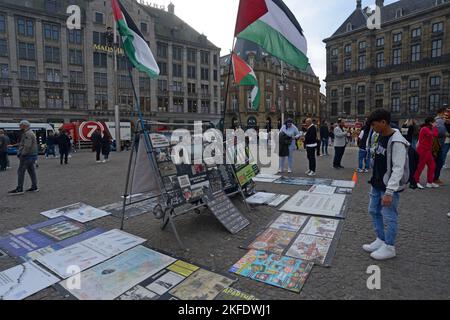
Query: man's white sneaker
x=312, y=174
x=308, y=172
x=289, y=171
x=384, y=253
x=374, y=246
x=432, y=185
x=420, y=186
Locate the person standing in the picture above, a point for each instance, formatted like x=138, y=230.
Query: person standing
x=97, y=144
x=390, y=176
x=311, y=145
x=64, y=145
x=292, y=134
x=106, y=146
x=28, y=154
x=50, y=149
x=442, y=134
x=425, y=150
x=364, y=153
x=4, y=142
x=340, y=142
x=324, y=138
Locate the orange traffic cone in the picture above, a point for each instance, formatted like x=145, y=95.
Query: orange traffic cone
x=355, y=177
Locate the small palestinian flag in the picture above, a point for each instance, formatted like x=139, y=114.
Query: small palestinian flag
x=245, y=76
x=134, y=44
x=271, y=25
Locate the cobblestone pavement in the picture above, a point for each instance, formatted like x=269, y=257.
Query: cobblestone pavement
x=421, y=270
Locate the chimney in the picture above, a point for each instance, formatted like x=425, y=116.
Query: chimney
x=171, y=8
x=379, y=3
x=358, y=4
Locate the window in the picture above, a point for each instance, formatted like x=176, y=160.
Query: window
x=397, y=57
x=361, y=89
x=3, y=48
x=347, y=91
x=396, y=86
x=100, y=60
x=76, y=77
x=399, y=13
x=417, y=32
x=414, y=104
x=335, y=52
x=29, y=98
x=77, y=100
x=397, y=38
x=54, y=99
x=162, y=85
x=347, y=107
x=177, y=70
x=216, y=60
x=379, y=88
x=205, y=74
x=4, y=71
x=436, y=48
x=123, y=63
x=435, y=101
x=101, y=101
x=100, y=79
x=361, y=107
x=178, y=105
x=27, y=73
x=204, y=57
x=5, y=97
x=51, y=6
x=380, y=60
x=215, y=75
x=362, y=45
x=25, y=27
x=349, y=27
x=334, y=67
x=99, y=38
x=162, y=50
x=334, y=109
x=192, y=55
x=435, y=82
x=395, y=104
x=144, y=27
x=379, y=103
x=334, y=93
x=380, y=42
x=206, y=106
x=177, y=53
x=205, y=89
x=144, y=83
x=362, y=62
x=415, y=53
x=191, y=72
x=192, y=106
x=192, y=88
x=75, y=36
x=146, y=104
x=437, y=27
x=177, y=86
x=124, y=82
x=348, y=49
x=162, y=68
x=27, y=51
x=76, y=57
x=51, y=31
x=52, y=55
x=2, y=23
x=98, y=17
x=414, y=84
x=53, y=75
x=347, y=65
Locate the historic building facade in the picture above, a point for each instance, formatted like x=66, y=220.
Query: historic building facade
x=288, y=90
x=403, y=67
x=49, y=73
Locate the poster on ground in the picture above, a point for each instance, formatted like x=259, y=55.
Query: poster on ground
x=230, y=294
x=270, y=199
x=138, y=293
x=289, y=222
x=321, y=227
x=201, y=285
x=310, y=248
x=343, y=184
x=280, y=271
x=303, y=181
x=79, y=211
x=267, y=178
x=321, y=189
x=316, y=204
x=131, y=210
x=114, y=277
x=23, y=281
x=273, y=240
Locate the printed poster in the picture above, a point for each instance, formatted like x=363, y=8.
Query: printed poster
x=310, y=248
x=316, y=204
x=273, y=240
x=321, y=227
x=138, y=293
x=63, y=230
x=79, y=211
x=230, y=294
x=183, y=268
x=320, y=189
x=268, y=178
x=201, y=285
x=280, y=271
x=114, y=277
x=289, y=222
x=163, y=284
x=343, y=184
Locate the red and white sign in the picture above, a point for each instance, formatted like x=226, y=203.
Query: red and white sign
x=87, y=129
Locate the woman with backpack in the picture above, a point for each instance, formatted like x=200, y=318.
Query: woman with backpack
x=427, y=135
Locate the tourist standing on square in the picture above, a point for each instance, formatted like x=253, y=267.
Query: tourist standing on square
x=97, y=144
x=106, y=146
x=390, y=176
x=425, y=150
x=311, y=145
x=442, y=134
x=64, y=146
x=324, y=137
x=292, y=132
x=340, y=142
x=364, y=152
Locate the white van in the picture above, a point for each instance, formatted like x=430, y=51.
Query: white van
x=40, y=129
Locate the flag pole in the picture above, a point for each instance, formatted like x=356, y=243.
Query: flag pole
x=228, y=87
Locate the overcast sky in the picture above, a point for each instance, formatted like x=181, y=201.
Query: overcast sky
x=318, y=18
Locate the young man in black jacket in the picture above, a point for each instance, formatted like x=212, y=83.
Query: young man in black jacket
x=311, y=145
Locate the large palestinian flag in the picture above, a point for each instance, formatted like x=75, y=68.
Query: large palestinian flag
x=245, y=76
x=134, y=44
x=271, y=25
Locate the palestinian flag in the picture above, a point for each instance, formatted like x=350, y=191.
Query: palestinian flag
x=134, y=44
x=271, y=25
x=245, y=76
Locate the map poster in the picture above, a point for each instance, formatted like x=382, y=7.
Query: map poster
x=289, y=222
x=321, y=227
x=114, y=277
x=310, y=248
x=230, y=294
x=273, y=240
x=316, y=204
x=201, y=285
x=280, y=271
x=23, y=281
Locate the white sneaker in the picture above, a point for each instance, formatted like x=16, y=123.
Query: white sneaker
x=360, y=171
x=448, y=214
x=366, y=170
x=289, y=171
x=308, y=172
x=420, y=186
x=432, y=185
x=384, y=252
x=374, y=246
x=104, y=161
x=312, y=174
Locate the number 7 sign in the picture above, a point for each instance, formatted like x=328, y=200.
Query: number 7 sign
x=87, y=129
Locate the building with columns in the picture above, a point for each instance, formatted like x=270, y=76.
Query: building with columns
x=49, y=73
x=403, y=67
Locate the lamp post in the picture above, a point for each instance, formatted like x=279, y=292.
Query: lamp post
x=282, y=85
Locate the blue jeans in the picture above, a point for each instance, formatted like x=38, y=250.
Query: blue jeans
x=384, y=215
x=325, y=146
x=364, y=157
x=290, y=160
x=445, y=151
